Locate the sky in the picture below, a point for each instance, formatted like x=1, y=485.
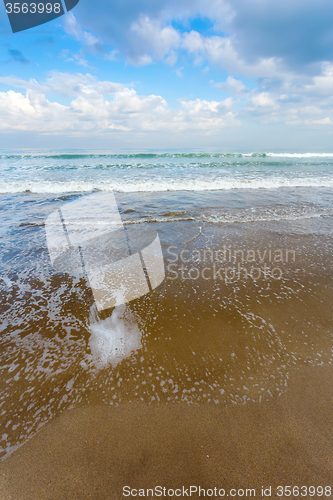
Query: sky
x=240, y=75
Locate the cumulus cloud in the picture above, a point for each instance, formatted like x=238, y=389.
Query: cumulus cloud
x=152, y=38
x=73, y=28
x=220, y=51
x=146, y=40
x=263, y=100
x=232, y=86
x=299, y=32
x=292, y=101
x=100, y=107
x=253, y=38
x=323, y=121
x=205, y=115
x=323, y=83
x=65, y=84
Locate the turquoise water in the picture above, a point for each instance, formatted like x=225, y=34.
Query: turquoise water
x=166, y=186
x=84, y=171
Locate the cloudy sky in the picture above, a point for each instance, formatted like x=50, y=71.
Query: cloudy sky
x=234, y=75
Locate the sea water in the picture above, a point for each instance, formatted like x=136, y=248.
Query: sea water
x=198, y=338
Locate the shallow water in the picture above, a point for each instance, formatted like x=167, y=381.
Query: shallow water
x=246, y=298
x=201, y=338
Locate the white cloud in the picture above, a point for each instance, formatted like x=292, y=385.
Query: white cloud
x=323, y=121
x=147, y=39
x=73, y=28
x=293, y=101
x=179, y=72
x=150, y=37
x=260, y=38
x=220, y=51
x=20, y=112
x=206, y=115
x=322, y=84
x=232, y=86
x=263, y=100
x=172, y=59
x=100, y=107
x=66, y=84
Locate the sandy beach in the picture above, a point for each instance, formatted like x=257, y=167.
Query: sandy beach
x=93, y=452
x=219, y=377
x=166, y=250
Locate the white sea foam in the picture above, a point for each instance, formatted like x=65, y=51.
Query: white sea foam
x=268, y=214
x=298, y=155
x=163, y=185
x=114, y=338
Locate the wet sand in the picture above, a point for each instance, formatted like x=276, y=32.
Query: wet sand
x=231, y=388
x=93, y=452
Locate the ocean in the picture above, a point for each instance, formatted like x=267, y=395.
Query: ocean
x=82, y=171
x=245, y=304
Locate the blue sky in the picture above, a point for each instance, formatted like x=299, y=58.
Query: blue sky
x=230, y=76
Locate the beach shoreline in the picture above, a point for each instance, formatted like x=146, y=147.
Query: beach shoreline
x=95, y=451
x=239, y=332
